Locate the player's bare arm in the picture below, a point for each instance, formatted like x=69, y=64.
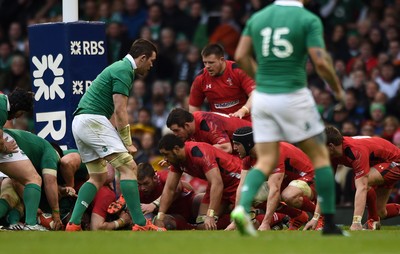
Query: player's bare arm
x=360, y=200
x=193, y=108
x=226, y=147
x=244, y=56
x=324, y=67
x=312, y=224
x=121, y=121
x=51, y=190
x=216, y=188
x=69, y=164
x=244, y=110
x=274, y=185
x=167, y=196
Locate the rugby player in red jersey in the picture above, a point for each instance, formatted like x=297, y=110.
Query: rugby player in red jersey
x=212, y=128
x=198, y=159
x=375, y=162
x=184, y=208
x=291, y=181
x=226, y=87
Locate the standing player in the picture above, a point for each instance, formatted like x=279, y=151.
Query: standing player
x=212, y=128
x=97, y=139
x=198, y=159
x=375, y=162
x=14, y=162
x=281, y=36
x=226, y=87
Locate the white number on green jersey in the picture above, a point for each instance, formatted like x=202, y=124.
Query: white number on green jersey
x=279, y=46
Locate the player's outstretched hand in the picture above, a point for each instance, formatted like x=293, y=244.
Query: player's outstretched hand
x=163, y=163
x=311, y=225
x=231, y=226
x=240, y=113
x=10, y=146
x=148, y=208
x=356, y=226
x=209, y=223
x=57, y=221
x=264, y=226
x=131, y=150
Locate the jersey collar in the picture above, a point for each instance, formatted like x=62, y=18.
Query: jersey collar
x=130, y=58
x=289, y=3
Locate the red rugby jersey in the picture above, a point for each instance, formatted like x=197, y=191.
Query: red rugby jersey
x=362, y=152
x=226, y=93
x=215, y=128
x=202, y=157
x=294, y=163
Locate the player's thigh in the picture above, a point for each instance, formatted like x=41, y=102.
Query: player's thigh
x=374, y=176
x=22, y=171
x=95, y=137
x=267, y=156
x=265, y=128
x=316, y=150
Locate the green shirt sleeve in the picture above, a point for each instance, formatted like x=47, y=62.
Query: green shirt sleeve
x=122, y=81
x=314, y=32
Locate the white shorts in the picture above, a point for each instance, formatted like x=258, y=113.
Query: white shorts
x=291, y=117
x=95, y=137
x=10, y=157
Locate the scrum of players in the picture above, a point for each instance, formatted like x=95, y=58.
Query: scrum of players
x=205, y=159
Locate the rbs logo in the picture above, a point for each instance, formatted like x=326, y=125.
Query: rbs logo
x=87, y=48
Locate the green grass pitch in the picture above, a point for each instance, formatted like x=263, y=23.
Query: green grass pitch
x=193, y=242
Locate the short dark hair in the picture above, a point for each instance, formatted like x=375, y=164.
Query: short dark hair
x=142, y=47
x=333, y=135
x=169, y=141
x=213, y=49
x=179, y=116
x=20, y=100
x=145, y=170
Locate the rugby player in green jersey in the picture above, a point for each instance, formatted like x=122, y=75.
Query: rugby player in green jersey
x=98, y=141
x=281, y=36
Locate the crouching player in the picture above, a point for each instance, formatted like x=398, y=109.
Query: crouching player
x=182, y=213
x=202, y=160
x=375, y=163
x=291, y=181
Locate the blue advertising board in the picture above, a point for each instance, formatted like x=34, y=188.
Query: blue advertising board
x=64, y=59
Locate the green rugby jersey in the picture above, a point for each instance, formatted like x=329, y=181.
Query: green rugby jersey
x=281, y=34
x=39, y=151
x=98, y=99
x=3, y=110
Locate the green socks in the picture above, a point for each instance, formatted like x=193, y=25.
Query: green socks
x=130, y=190
x=13, y=216
x=254, y=179
x=4, y=207
x=325, y=186
x=85, y=196
x=31, y=201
